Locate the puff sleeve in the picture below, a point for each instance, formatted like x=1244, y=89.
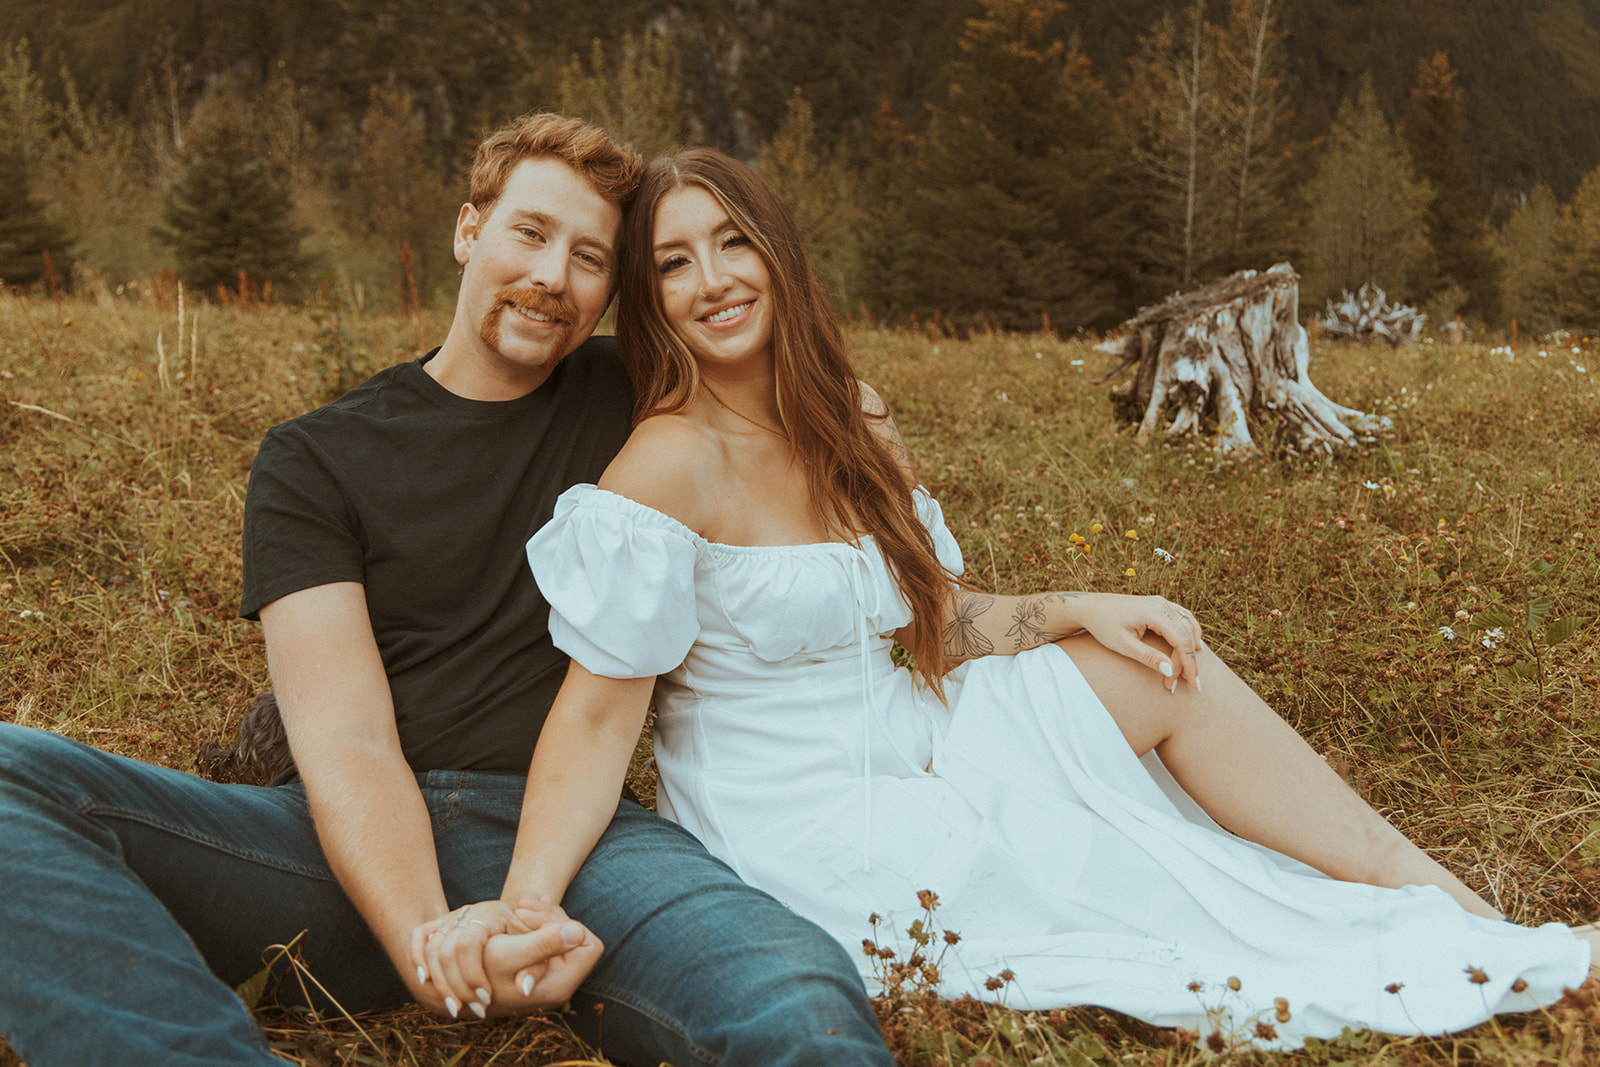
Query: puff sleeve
x=620, y=581
x=944, y=543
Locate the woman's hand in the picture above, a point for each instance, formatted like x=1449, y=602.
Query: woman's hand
x=1120, y=622
x=491, y=958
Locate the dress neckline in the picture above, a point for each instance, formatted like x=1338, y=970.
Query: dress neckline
x=722, y=545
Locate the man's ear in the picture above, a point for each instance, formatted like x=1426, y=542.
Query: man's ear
x=466, y=233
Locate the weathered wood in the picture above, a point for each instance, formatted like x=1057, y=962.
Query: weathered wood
x=1368, y=316
x=1234, y=348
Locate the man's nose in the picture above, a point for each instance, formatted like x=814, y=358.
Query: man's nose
x=550, y=270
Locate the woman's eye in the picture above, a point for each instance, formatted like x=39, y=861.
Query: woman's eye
x=670, y=264
x=734, y=240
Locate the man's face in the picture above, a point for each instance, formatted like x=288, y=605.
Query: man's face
x=537, y=269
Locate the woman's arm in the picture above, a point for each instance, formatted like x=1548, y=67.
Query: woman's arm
x=573, y=785
x=980, y=624
x=984, y=625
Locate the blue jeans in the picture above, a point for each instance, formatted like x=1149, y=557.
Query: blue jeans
x=133, y=898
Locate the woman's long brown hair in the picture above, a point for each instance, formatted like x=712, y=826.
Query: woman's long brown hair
x=852, y=474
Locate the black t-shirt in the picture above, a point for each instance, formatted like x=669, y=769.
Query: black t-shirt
x=426, y=499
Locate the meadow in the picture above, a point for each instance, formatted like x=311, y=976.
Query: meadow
x=1424, y=608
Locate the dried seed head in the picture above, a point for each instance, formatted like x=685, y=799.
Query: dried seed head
x=1519, y=986
x=1234, y=983
x=1266, y=1032
x=1394, y=987
x=1477, y=976
x=951, y=937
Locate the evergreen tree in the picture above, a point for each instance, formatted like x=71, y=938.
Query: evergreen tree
x=1010, y=206
x=1252, y=112
x=1176, y=144
x=27, y=229
x=633, y=92
x=1366, y=209
x=1464, y=277
x=1575, y=259
x=397, y=198
x=817, y=190
x=230, y=213
x=1524, y=247
x=26, y=232
x=886, y=283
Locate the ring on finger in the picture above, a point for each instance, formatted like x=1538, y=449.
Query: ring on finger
x=477, y=922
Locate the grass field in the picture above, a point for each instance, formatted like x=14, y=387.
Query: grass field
x=1425, y=610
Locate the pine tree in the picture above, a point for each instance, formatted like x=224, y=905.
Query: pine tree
x=817, y=190
x=1464, y=275
x=1575, y=259
x=1010, y=207
x=1176, y=145
x=1252, y=110
x=230, y=215
x=1524, y=246
x=634, y=93
x=396, y=198
x=26, y=232
x=1365, y=207
x=26, y=229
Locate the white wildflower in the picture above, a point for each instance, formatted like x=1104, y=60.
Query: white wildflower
x=1492, y=638
x=1447, y=633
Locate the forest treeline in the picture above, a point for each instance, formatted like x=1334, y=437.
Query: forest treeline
x=982, y=163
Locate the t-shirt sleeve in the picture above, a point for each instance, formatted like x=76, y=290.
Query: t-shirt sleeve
x=620, y=581
x=299, y=528
x=944, y=543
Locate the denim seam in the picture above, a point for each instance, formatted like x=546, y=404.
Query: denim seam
x=89, y=808
x=653, y=1013
x=451, y=811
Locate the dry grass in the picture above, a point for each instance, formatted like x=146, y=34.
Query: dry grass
x=1326, y=585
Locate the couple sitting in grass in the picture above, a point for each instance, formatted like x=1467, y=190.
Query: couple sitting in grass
x=1106, y=813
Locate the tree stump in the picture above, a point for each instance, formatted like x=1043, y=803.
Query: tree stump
x=1236, y=348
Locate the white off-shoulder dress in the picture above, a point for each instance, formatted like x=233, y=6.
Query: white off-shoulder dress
x=792, y=746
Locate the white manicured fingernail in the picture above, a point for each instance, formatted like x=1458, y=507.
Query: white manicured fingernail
x=1197, y=688
x=1165, y=669
x=527, y=985
x=422, y=975
x=451, y=1006
x=483, y=994
x=477, y=1009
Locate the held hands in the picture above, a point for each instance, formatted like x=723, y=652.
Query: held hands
x=491, y=958
x=1121, y=622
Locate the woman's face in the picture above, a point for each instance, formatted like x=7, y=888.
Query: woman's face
x=715, y=289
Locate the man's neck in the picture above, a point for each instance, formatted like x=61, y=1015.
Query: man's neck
x=467, y=369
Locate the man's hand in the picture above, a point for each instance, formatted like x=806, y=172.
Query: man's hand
x=494, y=959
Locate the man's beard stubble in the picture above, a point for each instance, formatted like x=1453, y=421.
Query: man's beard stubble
x=561, y=313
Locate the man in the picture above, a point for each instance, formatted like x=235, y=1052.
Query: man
x=408, y=648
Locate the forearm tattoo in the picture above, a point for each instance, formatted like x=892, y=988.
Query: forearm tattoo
x=962, y=637
x=1028, y=622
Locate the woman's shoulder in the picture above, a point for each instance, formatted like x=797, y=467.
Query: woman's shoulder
x=881, y=422
x=667, y=464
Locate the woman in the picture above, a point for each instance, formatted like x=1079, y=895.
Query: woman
x=751, y=555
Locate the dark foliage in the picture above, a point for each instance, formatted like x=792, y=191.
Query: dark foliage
x=228, y=219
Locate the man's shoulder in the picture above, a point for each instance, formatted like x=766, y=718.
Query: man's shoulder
x=374, y=389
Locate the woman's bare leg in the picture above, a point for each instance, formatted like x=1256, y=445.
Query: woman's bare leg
x=1253, y=774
